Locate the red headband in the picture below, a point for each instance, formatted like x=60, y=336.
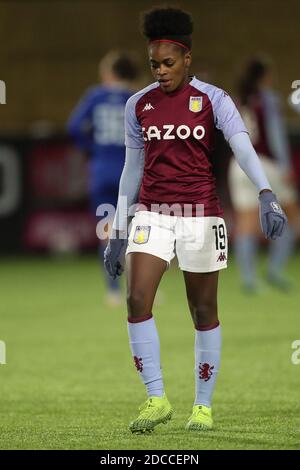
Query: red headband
x=173, y=42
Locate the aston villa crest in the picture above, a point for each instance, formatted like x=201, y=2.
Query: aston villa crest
x=195, y=104
x=141, y=234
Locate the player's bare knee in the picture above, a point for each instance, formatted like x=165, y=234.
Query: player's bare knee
x=205, y=313
x=136, y=304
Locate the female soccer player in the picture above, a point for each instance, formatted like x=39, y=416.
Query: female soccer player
x=169, y=128
x=260, y=108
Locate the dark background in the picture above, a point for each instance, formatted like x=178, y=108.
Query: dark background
x=50, y=52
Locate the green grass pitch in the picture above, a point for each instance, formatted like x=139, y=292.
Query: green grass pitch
x=70, y=383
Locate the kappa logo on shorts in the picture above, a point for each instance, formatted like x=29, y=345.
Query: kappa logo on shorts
x=222, y=257
x=141, y=234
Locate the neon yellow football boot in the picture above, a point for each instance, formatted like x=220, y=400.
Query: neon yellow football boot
x=154, y=411
x=201, y=419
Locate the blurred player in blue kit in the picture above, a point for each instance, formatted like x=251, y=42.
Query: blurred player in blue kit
x=97, y=127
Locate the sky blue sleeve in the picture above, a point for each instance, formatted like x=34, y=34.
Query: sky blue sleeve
x=129, y=187
x=248, y=160
x=80, y=122
x=133, y=131
x=227, y=117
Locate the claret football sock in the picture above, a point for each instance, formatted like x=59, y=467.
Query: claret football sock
x=207, y=362
x=145, y=348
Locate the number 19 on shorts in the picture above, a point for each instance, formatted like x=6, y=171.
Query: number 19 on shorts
x=220, y=241
x=220, y=236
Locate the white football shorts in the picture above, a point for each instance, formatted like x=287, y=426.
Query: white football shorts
x=200, y=243
x=243, y=192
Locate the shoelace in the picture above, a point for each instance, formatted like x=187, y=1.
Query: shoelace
x=200, y=410
x=147, y=404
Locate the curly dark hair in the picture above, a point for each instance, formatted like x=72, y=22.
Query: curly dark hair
x=162, y=22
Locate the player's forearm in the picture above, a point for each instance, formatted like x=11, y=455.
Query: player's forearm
x=248, y=160
x=129, y=188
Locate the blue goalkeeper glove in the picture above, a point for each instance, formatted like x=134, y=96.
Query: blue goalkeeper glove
x=272, y=218
x=114, y=256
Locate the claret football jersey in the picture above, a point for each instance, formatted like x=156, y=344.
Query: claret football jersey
x=177, y=131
